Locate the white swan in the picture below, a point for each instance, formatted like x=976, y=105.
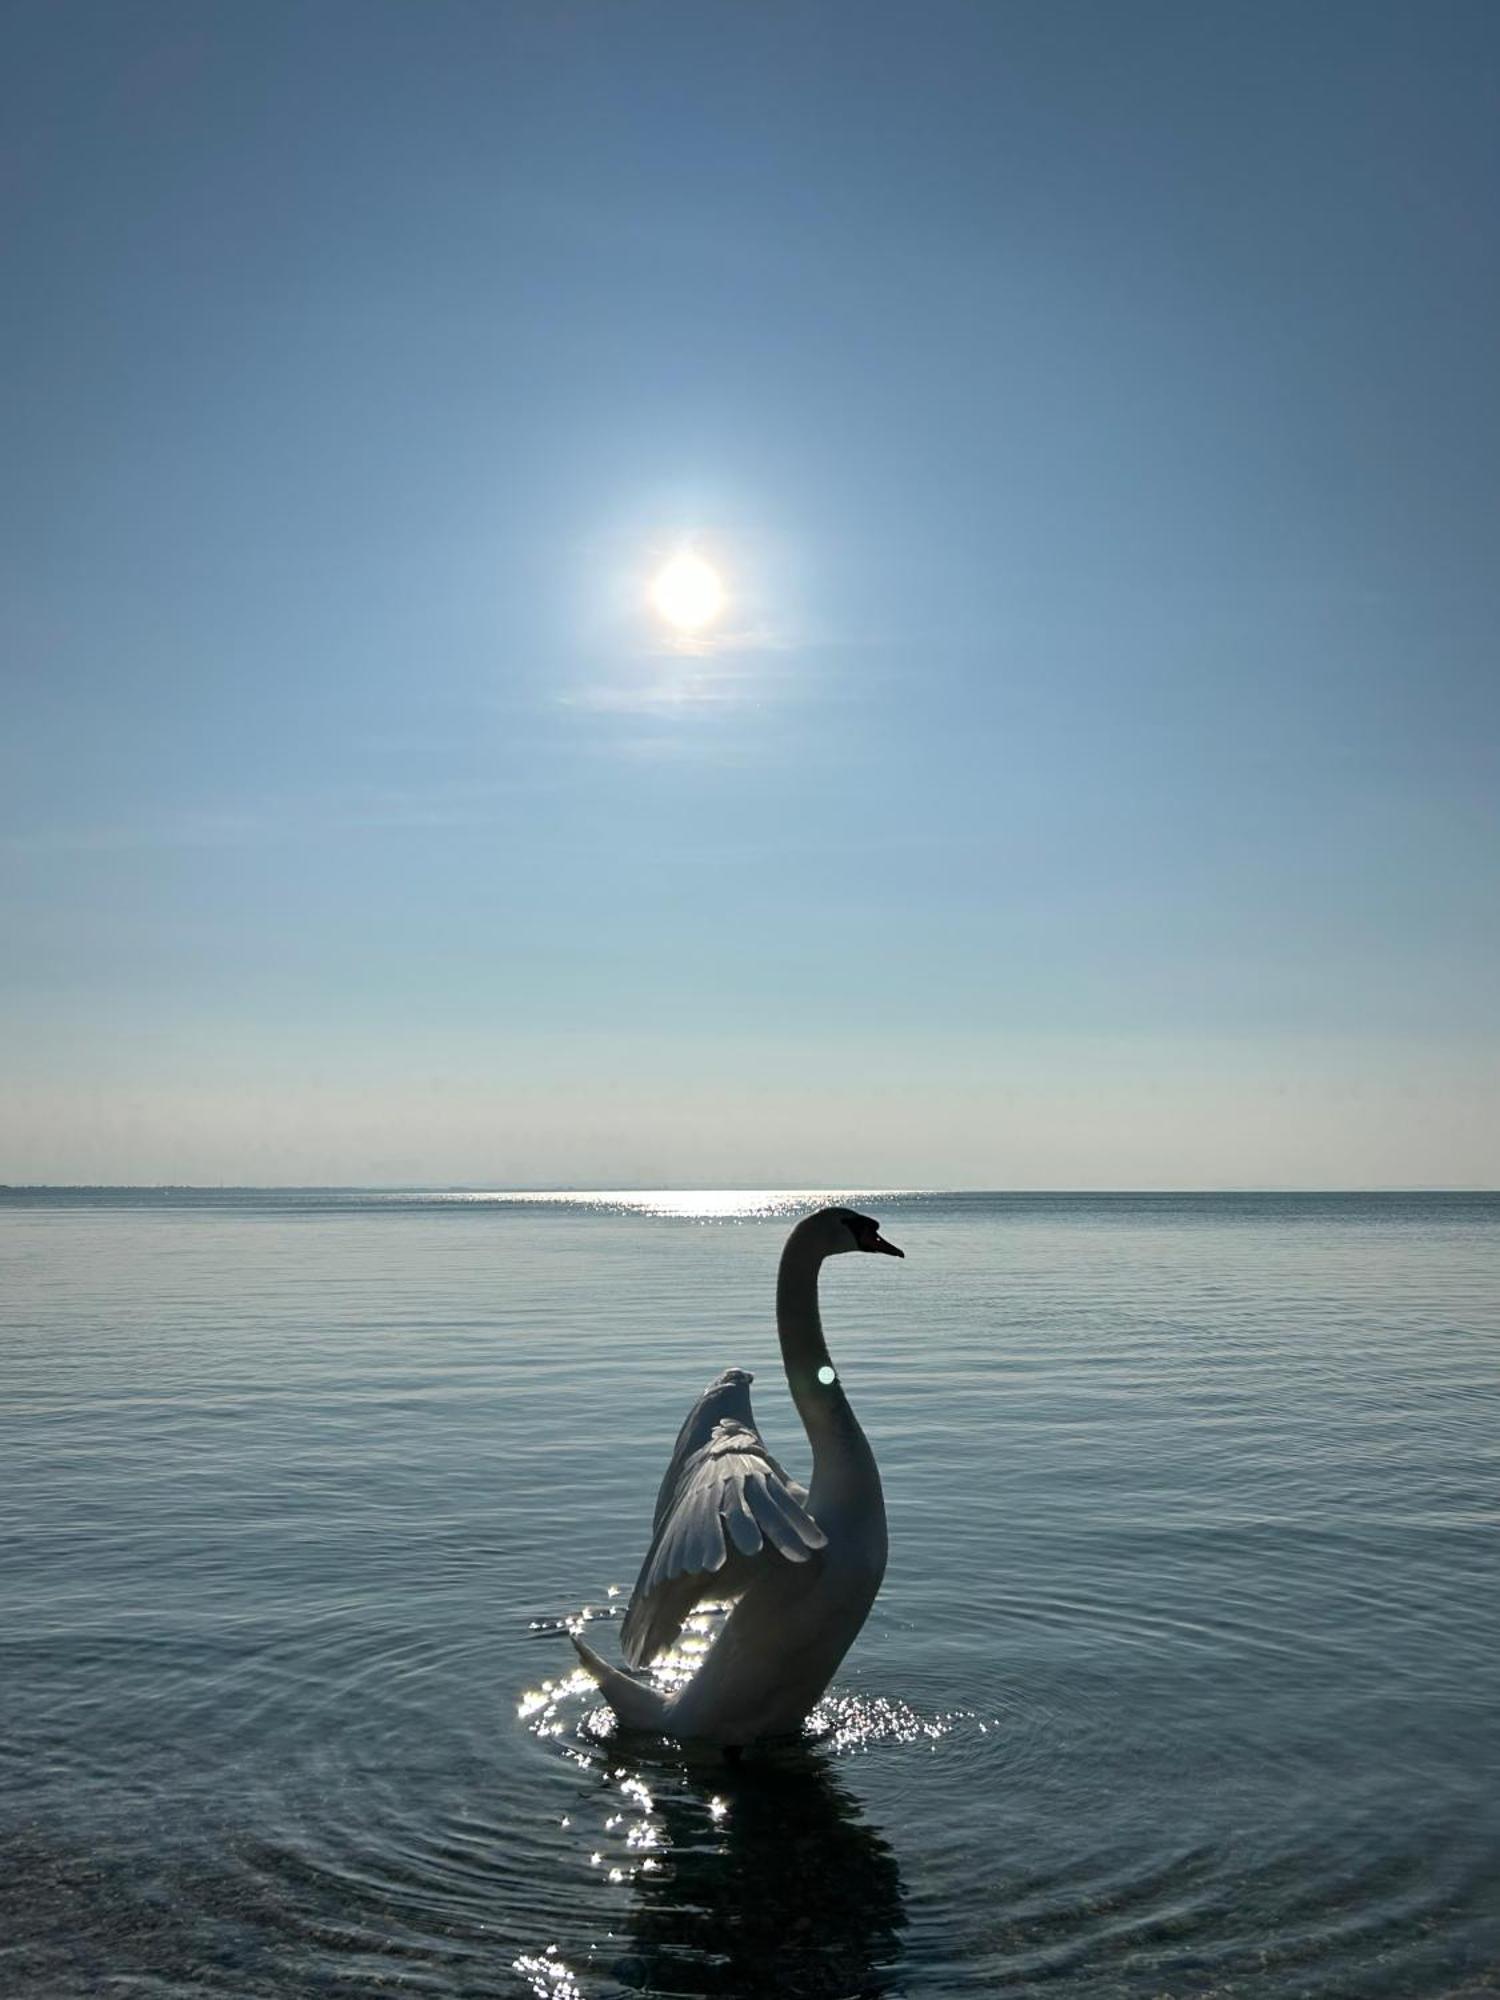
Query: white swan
x=802, y=1567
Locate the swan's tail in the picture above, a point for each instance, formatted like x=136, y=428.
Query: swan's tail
x=637, y=1704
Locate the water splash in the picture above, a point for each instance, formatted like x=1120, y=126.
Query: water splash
x=844, y=1723
x=548, y=1975
x=848, y=1723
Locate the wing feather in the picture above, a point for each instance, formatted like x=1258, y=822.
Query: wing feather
x=728, y=1395
x=725, y=1510
x=743, y=1529
x=784, y=1520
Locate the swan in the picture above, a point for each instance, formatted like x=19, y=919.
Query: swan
x=801, y=1566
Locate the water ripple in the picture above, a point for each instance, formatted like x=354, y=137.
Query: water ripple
x=1183, y=1680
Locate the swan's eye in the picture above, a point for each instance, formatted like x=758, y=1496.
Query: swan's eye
x=827, y=1376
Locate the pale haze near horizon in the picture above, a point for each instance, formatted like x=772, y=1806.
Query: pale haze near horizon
x=1095, y=778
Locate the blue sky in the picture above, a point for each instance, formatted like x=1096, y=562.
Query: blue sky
x=1093, y=411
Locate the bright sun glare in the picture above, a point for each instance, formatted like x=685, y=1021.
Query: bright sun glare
x=688, y=592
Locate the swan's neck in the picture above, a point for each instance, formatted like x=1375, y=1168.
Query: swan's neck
x=843, y=1464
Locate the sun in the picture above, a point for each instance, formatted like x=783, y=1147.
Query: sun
x=688, y=592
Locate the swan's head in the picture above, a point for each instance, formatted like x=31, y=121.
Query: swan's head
x=849, y=1231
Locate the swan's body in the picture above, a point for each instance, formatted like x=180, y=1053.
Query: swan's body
x=801, y=1566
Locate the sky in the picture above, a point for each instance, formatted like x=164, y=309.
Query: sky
x=1092, y=412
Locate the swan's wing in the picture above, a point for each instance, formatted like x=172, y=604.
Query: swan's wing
x=731, y=1512
x=727, y=1396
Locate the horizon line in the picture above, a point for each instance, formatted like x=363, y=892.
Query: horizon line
x=707, y=1187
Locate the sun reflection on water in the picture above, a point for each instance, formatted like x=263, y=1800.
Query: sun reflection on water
x=548, y=1976
x=845, y=1723
x=689, y=1204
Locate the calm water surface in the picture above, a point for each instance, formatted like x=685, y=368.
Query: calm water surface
x=1183, y=1681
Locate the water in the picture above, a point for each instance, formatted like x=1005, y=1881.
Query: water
x=1183, y=1680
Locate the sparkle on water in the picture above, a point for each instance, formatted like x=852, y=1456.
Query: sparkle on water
x=684, y=1204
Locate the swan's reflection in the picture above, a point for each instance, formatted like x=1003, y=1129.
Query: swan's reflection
x=769, y=1882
